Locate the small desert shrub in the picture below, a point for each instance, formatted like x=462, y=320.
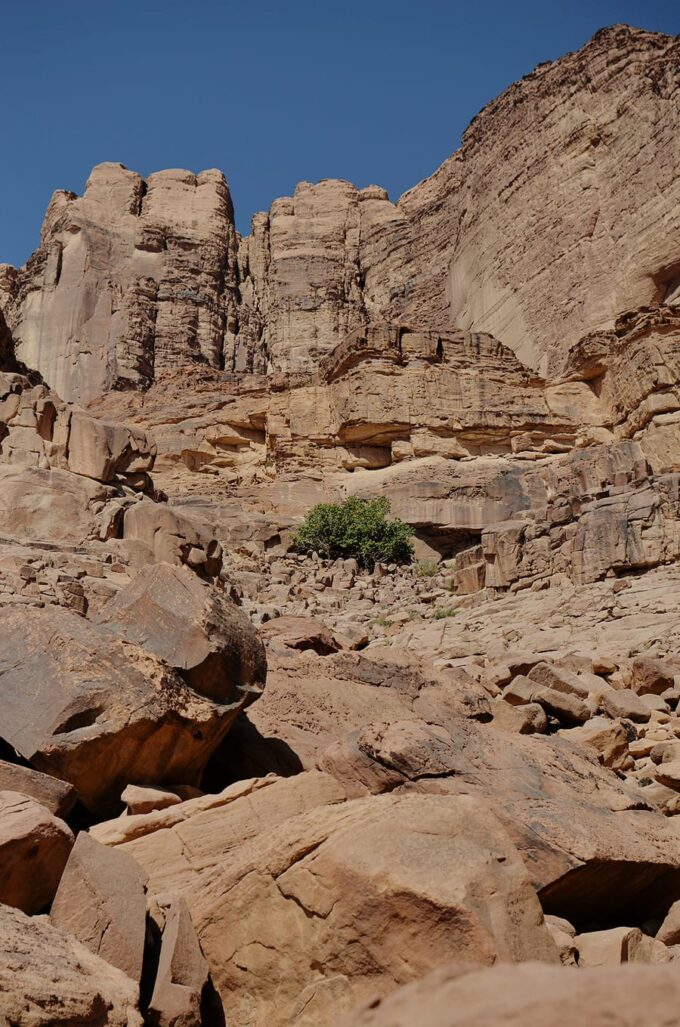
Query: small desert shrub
x=426, y=568
x=446, y=612
x=357, y=528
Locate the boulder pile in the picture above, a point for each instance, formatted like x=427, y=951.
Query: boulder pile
x=457, y=799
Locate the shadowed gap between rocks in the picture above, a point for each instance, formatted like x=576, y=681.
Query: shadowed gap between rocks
x=612, y=894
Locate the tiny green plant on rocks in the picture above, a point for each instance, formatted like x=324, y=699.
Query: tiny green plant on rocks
x=426, y=568
x=446, y=612
x=357, y=528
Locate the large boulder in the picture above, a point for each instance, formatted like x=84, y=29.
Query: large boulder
x=48, y=979
x=34, y=848
x=101, y=901
x=194, y=628
x=55, y=506
x=304, y=902
x=533, y=995
x=594, y=849
x=100, y=712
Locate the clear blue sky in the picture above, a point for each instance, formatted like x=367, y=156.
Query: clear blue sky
x=270, y=92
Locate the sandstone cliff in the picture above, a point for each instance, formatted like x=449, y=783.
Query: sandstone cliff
x=473, y=759
x=559, y=211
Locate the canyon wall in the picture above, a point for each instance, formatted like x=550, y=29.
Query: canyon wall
x=560, y=210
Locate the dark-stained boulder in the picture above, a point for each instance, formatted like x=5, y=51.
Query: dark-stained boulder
x=194, y=628
x=84, y=705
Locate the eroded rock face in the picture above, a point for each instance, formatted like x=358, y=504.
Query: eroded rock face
x=49, y=978
x=100, y=712
x=537, y=995
x=300, y=922
x=129, y=279
x=596, y=254
x=136, y=277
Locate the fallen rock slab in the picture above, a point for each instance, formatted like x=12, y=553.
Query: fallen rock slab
x=182, y=975
x=301, y=633
x=668, y=773
x=625, y=704
x=34, y=848
x=593, y=845
x=139, y=799
x=58, y=797
x=619, y=945
x=335, y=900
x=669, y=932
x=194, y=628
x=101, y=901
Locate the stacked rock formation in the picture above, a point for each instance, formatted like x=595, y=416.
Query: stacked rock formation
x=457, y=799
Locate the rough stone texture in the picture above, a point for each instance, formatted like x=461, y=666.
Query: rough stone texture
x=530, y=996
x=139, y=799
x=585, y=253
x=48, y=979
x=34, y=848
x=320, y=910
x=619, y=945
x=56, y=796
x=312, y=700
x=589, y=843
x=132, y=278
x=506, y=373
x=193, y=628
x=37, y=429
x=300, y=633
x=182, y=975
x=69, y=480
x=669, y=932
x=136, y=277
x=101, y=901
x=99, y=712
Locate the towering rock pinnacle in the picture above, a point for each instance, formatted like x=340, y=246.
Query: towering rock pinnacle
x=560, y=210
x=130, y=279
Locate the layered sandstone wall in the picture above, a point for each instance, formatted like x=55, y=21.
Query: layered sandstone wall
x=130, y=279
x=558, y=212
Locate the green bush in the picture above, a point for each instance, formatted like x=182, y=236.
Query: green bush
x=443, y=614
x=357, y=528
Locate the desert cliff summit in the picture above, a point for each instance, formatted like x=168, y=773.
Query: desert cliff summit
x=527, y=233
x=256, y=769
